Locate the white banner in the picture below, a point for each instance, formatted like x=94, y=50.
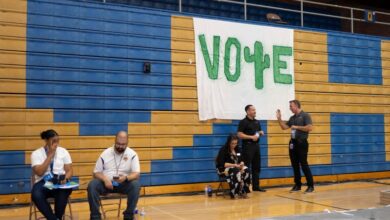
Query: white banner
x=239, y=64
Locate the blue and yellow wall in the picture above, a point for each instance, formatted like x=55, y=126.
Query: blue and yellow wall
x=76, y=67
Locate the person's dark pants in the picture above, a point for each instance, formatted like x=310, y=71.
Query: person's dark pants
x=39, y=195
x=251, y=158
x=96, y=188
x=298, y=157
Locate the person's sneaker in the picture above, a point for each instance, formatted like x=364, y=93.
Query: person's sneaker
x=295, y=188
x=309, y=189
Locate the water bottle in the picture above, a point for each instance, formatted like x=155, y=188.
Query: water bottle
x=209, y=191
x=206, y=190
x=142, y=212
x=48, y=177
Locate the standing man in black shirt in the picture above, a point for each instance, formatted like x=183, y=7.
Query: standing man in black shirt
x=249, y=131
x=300, y=124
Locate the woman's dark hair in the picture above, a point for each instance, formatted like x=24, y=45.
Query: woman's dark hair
x=224, y=150
x=46, y=135
x=229, y=140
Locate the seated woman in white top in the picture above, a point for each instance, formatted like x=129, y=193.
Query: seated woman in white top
x=51, y=163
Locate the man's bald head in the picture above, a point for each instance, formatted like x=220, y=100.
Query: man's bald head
x=121, y=134
x=121, y=141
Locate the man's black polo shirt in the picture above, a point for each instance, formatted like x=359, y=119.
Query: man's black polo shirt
x=249, y=127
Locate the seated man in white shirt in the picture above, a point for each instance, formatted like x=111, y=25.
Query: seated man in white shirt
x=117, y=170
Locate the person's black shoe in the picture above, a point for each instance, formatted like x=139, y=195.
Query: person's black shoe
x=295, y=188
x=309, y=189
x=244, y=195
x=259, y=190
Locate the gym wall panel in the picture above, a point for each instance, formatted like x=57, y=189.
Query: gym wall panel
x=385, y=49
x=345, y=50
x=387, y=136
x=77, y=67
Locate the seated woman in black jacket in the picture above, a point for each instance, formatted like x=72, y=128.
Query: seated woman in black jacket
x=230, y=163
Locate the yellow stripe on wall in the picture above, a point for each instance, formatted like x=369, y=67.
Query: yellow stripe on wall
x=387, y=136
x=310, y=56
x=13, y=19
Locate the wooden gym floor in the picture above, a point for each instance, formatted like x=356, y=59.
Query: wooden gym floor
x=276, y=202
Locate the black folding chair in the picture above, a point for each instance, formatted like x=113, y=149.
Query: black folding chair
x=220, y=189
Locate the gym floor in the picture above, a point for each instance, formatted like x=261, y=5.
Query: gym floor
x=276, y=203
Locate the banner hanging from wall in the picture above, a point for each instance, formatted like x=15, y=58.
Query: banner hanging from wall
x=239, y=64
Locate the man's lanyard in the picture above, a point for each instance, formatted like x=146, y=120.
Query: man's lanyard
x=52, y=160
x=117, y=166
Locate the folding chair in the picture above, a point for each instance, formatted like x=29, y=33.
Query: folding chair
x=118, y=203
x=221, y=179
x=34, y=211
